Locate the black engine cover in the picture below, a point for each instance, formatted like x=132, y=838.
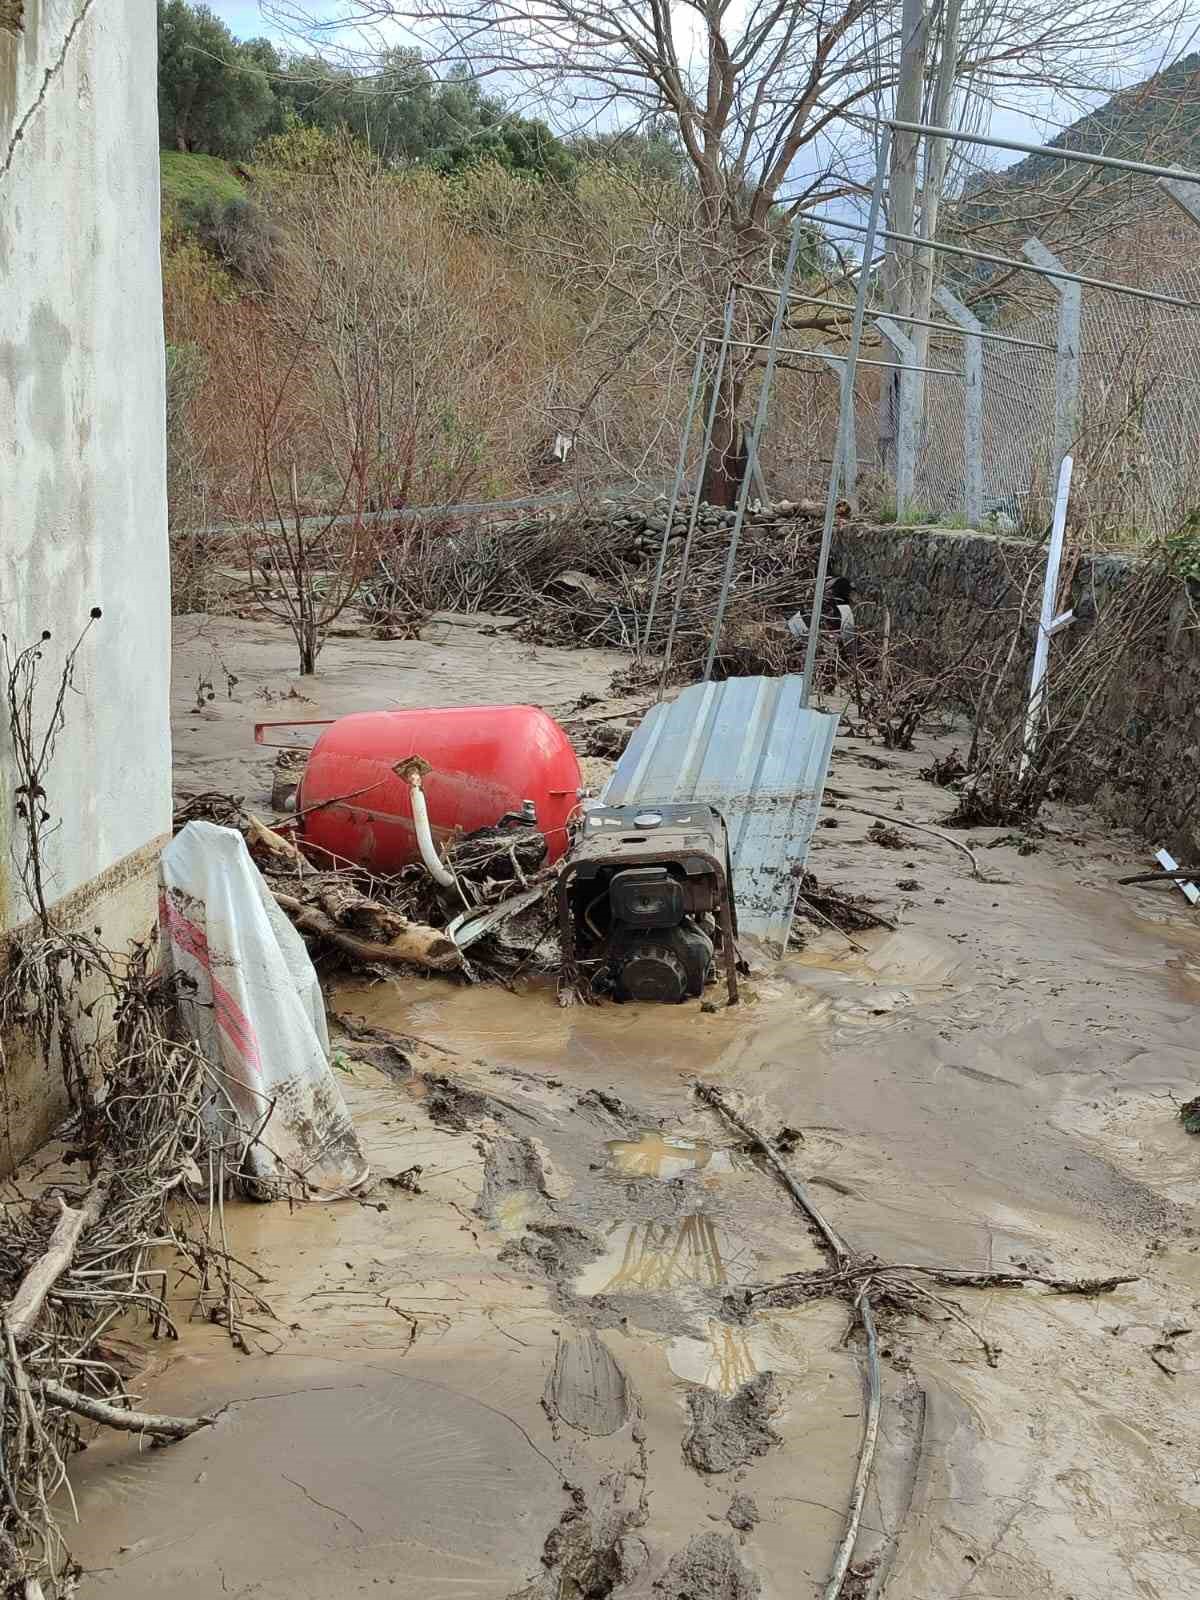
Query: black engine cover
x=664, y=965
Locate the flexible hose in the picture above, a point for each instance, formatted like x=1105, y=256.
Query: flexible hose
x=438, y=869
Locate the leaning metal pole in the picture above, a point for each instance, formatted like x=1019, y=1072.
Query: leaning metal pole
x=760, y=417
x=709, y=424
x=680, y=466
x=847, y=401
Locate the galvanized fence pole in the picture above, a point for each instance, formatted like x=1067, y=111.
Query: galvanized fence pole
x=973, y=490
x=760, y=418
x=680, y=466
x=1066, y=373
x=850, y=441
x=907, y=422
x=1185, y=195
x=849, y=369
x=705, y=445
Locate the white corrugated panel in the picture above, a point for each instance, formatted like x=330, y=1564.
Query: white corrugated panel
x=748, y=747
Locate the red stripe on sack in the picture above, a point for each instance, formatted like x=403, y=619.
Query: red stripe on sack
x=231, y=1019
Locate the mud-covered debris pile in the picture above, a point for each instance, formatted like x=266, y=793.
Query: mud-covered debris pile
x=586, y=578
x=497, y=920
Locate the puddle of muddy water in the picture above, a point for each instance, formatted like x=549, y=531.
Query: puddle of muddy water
x=658, y=1256
x=654, y=1156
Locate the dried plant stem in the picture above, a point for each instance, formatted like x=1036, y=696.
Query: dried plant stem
x=86, y=1405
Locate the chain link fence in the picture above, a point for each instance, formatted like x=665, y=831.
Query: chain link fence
x=1136, y=434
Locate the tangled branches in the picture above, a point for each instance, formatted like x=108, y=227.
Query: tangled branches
x=75, y=1260
x=1016, y=765
x=75, y=1257
x=870, y=1286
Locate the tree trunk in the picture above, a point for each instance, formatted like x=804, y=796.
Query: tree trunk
x=896, y=276
x=936, y=160
x=725, y=463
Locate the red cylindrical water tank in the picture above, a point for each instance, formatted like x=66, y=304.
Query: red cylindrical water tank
x=486, y=761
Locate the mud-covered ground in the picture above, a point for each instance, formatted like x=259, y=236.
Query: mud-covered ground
x=528, y=1370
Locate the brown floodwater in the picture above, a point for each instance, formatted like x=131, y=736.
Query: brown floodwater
x=992, y=1086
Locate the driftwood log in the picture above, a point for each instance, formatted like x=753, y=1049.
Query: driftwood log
x=390, y=938
x=25, y=1306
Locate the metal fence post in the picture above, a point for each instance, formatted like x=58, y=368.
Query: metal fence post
x=760, y=418
x=845, y=410
x=972, y=404
x=705, y=446
x=1185, y=195
x=906, y=422
x=1066, y=373
x=680, y=468
x=850, y=438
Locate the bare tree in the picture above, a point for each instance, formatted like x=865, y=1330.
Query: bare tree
x=767, y=99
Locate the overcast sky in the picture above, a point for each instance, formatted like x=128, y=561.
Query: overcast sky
x=1043, y=118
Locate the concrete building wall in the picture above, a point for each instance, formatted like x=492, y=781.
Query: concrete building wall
x=82, y=462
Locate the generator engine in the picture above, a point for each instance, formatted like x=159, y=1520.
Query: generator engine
x=644, y=901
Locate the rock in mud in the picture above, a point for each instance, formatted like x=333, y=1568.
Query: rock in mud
x=743, y=1513
x=587, y=1387
x=709, y=1569
x=727, y=1433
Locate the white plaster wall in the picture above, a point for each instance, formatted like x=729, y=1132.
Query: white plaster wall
x=82, y=466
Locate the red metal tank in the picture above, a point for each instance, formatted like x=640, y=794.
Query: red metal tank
x=485, y=760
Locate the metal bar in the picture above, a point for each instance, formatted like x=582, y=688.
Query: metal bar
x=971, y=328
x=1066, y=369
x=919, y=322
x=938, y=372
x=847, y=401
x=1115, y=162
x=680, y=468
x=760, y=417
x=684, y=559
x=1022, y=266
x=906, y=420
x=850, y=453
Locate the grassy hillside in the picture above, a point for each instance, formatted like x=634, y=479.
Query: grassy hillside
x=192, y=180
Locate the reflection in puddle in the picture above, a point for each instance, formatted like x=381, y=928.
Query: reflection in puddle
x=664, y=1255
x=727, y=1357
x=652, y=1156
x=723, y=1360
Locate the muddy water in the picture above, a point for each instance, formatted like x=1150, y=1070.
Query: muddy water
x=993, y=1084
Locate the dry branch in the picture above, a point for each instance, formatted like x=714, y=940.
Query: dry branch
x=25, y=1306
x=921, y=827
x=151, y=1422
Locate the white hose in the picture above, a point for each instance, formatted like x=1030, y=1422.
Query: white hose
x=438, y=869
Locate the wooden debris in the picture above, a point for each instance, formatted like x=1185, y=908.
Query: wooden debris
x=86, y=1405
x=391, y=940
x=25, y=1306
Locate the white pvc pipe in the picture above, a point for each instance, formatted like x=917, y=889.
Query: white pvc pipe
x=1046, y=624
x=438, y=869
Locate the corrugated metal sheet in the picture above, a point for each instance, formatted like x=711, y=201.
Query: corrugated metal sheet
x=747, y=747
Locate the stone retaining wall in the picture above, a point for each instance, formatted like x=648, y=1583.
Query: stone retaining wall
x=945, y=588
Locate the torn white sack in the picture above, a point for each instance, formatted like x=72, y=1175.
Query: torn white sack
x=249, y=996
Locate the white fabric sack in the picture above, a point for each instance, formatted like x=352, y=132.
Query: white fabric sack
x=249, y=996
